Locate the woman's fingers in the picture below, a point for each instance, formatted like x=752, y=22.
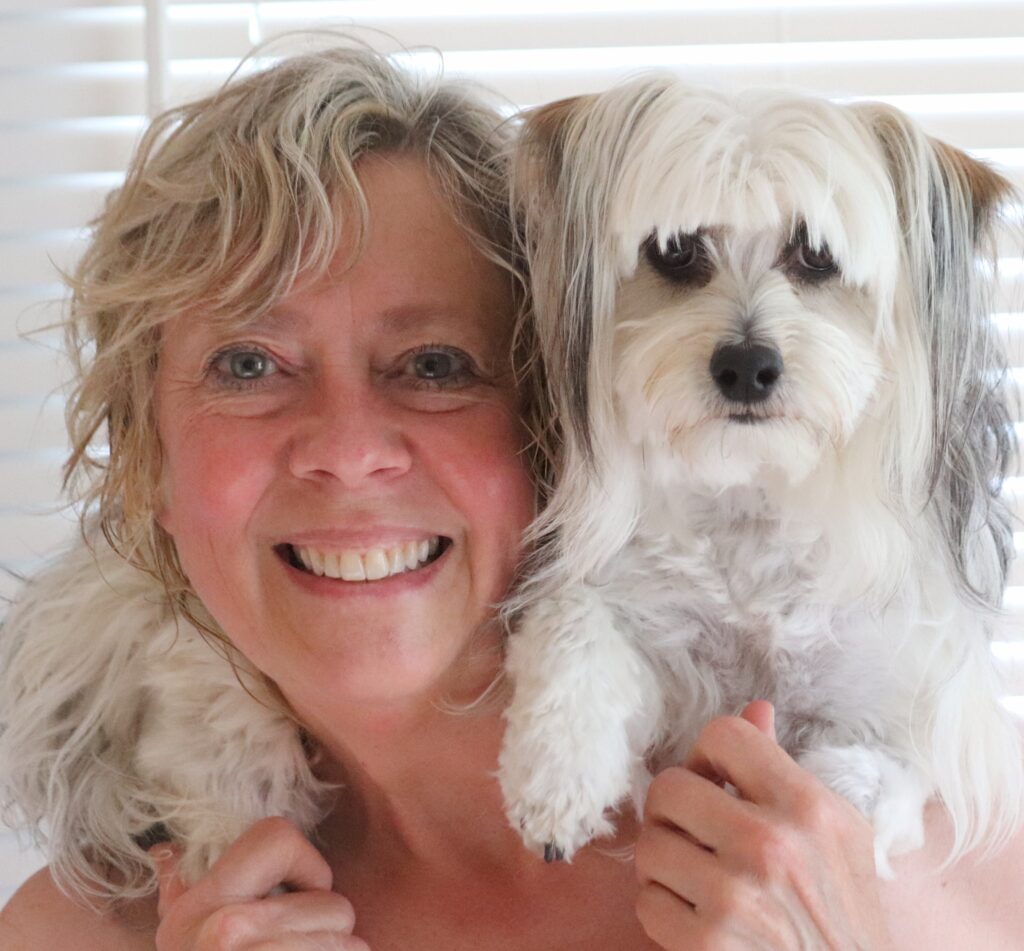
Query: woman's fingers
x=668, y=857
x=734, y=750
x=236, y=905
x=785, y=863
x=762, y=714
x=270, y=853
x=299, y=912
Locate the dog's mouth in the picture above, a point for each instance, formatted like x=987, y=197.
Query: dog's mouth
x=375, y=564
x=748, y=419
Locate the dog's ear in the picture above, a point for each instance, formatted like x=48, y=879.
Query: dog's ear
x=987, y=190
x=542, y=144
x=949, y=208
x=548, y=223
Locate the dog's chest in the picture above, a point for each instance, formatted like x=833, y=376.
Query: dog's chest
x=740, y=571
x=736, y=598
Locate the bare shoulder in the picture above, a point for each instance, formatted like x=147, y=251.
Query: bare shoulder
x=40, y=917
x=978, y=903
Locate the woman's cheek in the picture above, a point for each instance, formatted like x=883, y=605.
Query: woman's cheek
x=214, y=475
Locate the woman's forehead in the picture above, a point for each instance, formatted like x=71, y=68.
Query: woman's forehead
x=406, y=266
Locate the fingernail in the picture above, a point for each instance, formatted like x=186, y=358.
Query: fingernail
x=161, y=853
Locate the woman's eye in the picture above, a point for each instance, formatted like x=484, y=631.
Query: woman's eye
x=440, y=365
x=239, y=367
x=434, y=365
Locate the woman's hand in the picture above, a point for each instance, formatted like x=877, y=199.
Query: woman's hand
x=785, y=865
x=232, y=909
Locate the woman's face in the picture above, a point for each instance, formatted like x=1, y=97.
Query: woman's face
x=368, y=428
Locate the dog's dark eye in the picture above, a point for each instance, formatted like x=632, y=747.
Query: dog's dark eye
x=816, y=259
x=806, y=263
x=683, y=259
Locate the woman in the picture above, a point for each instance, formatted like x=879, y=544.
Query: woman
x=302, y=312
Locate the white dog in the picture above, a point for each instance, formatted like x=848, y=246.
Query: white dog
x=770, y=349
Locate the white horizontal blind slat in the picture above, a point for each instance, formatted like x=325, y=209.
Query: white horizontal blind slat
x=523, y=26
x=75, y=36
x=67, y=148
x=52, y=203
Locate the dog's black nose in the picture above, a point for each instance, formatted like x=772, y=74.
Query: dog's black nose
x=746, y=373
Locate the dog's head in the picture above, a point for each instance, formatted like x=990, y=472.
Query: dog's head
x=749, y=289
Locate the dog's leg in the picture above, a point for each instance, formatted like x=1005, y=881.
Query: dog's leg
x=889, y=791
x=585, y=708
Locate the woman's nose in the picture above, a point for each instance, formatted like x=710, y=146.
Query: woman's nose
x=351, y=437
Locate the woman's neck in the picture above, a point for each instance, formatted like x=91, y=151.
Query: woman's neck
x=419, y=788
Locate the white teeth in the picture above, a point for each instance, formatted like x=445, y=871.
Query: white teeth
x=372, y=565
x=376, y=564
x=351, y=567
x=412, y=554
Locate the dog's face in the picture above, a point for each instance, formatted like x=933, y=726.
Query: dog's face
x=756, y=242
x=740, y=351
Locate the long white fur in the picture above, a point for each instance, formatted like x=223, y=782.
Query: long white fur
x=844, y=559
x=117, y=720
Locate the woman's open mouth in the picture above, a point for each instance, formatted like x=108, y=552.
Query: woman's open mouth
x=372, y=565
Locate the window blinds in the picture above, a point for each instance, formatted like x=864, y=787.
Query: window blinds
x=78, y=79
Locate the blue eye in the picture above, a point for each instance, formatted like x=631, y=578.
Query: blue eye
x=243, y=366
x=440, y=366
x=434, y=365
x=248, y=366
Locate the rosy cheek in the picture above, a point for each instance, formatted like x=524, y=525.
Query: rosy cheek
x=216, y=472
x=495, y=479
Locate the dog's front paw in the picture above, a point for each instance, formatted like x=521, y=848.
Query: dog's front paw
x=887, y=791
x=557, y=790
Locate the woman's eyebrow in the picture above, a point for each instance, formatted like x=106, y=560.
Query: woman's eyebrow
x=443, y=315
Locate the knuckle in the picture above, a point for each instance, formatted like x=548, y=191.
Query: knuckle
x=226, y=928
x=773, y=851
x=668, y=787
x=653, y=804
x=345, y=910
x=815, y=807
x=278, y=827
